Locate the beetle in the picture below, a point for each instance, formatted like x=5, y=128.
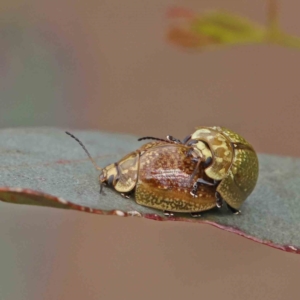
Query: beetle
x=234, y=168
x=208, y=167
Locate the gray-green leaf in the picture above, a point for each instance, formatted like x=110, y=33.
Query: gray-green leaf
x=46, y=167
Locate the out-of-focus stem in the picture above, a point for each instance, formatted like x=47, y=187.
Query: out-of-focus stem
x=274, y=33
x=273, y=16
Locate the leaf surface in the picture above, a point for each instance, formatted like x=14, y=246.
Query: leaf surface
x=44, y=166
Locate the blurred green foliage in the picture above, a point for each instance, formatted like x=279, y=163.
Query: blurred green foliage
x=215, y=29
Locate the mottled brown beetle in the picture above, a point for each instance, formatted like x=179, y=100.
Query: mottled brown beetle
x=209, y=166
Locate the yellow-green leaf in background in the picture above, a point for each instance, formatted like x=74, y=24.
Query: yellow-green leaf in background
x=226, y=28
x=220, y=28
x=215, y=28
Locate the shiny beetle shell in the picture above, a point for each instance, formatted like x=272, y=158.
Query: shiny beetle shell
x=165, y=181
x=160, y=175
x=234, y=162
x=212, y=165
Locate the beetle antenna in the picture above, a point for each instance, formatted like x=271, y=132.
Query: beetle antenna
x=152, y=138
x=86, y=151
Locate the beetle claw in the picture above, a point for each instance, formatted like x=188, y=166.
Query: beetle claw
x=193, y=194
x=125, y=195
x=174, y=140
x=199, y=181
x=168, y=214
x=219, y=200
x=195, y=214
x=194, y=191
x=233, y=210
x=101, y=189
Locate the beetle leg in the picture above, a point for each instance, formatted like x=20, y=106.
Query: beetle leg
x=219, y=200
x=193, y=192
x=174, y=140
x=101, y=188
x=233, y=210
x=168, y=214
x=195, y=214
x=203, y=181
x=191, y=142
x=196, y=168
x=199, y=182
x=125, y=195
x=186, y=139
x=190, y=153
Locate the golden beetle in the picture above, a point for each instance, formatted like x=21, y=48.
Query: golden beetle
x=208, y=167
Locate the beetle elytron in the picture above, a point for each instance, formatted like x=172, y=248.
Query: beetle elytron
x=211, y=166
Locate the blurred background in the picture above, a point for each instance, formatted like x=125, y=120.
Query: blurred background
x=106, y=65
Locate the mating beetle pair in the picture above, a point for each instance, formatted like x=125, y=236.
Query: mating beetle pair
x=208, y=167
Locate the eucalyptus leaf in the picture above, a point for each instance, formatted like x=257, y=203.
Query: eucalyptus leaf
x=44, y=166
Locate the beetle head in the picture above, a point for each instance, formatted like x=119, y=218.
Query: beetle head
x=109, y=175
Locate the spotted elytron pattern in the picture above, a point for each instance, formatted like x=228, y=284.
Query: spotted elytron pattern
x=165, y=181
x=233, y=136
x=175, y=201
x=241, y=179
x=167, y=167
